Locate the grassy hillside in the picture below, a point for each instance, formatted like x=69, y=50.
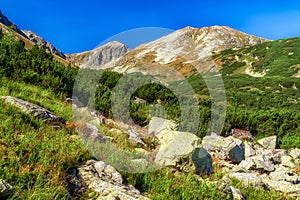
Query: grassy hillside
x=35, y=158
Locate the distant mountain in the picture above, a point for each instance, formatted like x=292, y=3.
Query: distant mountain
x=101, y=57
x=31, y=36
x=182, y=50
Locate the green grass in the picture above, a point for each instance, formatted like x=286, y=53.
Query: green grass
x=34, y=156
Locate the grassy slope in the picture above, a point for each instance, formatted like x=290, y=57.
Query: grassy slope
x=35, y=158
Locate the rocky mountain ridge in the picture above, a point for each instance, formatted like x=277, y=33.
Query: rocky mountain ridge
x=103, y=56
x=31, y=36
x=43, y=43
x=188, y=50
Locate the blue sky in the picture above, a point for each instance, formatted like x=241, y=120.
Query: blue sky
x=75, y=26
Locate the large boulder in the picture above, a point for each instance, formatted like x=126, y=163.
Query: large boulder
x=106, y=181
x=5, y=189
x=225, y=148
x=156, y=125
x=183, y=150
x=175, y=146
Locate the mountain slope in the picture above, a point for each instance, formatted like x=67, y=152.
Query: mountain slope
x=100, y=57
x=185, y=49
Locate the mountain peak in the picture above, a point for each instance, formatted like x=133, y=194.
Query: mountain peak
x=100, y=56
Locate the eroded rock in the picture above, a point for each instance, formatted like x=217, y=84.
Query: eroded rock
x=106, y=181
x=38, y=111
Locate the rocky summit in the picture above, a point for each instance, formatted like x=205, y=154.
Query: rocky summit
x=101, y=57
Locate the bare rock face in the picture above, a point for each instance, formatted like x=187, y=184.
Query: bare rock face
x=100, y=58
x=105, y=181
x=43, y=43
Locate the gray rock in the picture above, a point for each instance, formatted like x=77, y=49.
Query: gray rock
x=38, y=111
x=106, y=181
x=247, y=164
x=182, y=149
x=225, y=148
x=284, y=186
x=295, y=153
x=135, y=137
x=249, y=149
x=210, y=142
x=101, y=57
x=273, y=155
x=175, y=146
x=5, y=189
x=282, y=173
x=89, y=132
x=262, y=164
x=156, y=125
x=288, y=161
x=202, y=161
x=248, y=179
x=269, y=142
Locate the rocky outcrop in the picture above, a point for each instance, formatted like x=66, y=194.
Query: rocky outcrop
x=5, y=189
x=225, y=147
x=182, y=150
x=43, y=43
x=101, y=57
x=36, y=110
x=103, y=179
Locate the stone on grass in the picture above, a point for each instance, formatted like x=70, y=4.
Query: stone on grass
x=175, y=146
x=248, y=179
x=106, y=181
x=202, y=161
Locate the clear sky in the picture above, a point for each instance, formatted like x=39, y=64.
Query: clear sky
x=75, y=26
